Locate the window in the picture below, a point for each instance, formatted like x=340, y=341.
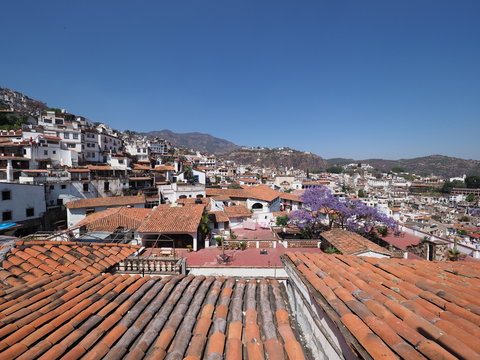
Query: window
x=52, y=187
x=6, y=195
x=63, y=186
x=71, y=145
x=45, y=152
x=75, y=135
x=85, y=187
x=89, y=211
x=6, y=216
x=54, y=152
x=120, y=161
x=66, y=135
x=30, y=212
x=106, y=186
x=59, y=202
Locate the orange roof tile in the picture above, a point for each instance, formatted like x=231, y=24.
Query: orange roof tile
x=122, y=316
x=350, y=243
x=237, y=211
x=54, y=260
x=112, y=219
x=173, y=219
x=106, y=201
x=397, y=307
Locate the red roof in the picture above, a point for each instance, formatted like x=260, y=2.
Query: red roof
x=118, y=316
x=390, y=308
x=105, y=202
x=168, y=219
x=350, y=243
x=29, y=260
x=112, y=219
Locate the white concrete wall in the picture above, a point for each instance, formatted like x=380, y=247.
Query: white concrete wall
x=228, y=270
x=22, y=197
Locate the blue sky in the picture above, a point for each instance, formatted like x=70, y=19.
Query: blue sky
x=361, y=79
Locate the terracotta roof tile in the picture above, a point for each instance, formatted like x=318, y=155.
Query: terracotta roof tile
x=350, y=243
x=103, y=316
x=106, y=201
x=168, y=219
x=45, y=259
x=397, y=307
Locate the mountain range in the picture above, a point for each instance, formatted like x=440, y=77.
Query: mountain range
x=440, y=165
x=204, y=143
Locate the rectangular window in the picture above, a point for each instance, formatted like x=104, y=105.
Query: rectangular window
x=6, y=216
x=85, y=187
x=54, y=152
x=106, y=186
x=52, y=187
x=30, y=212
x=6, y=195
x=75, y=135
x=45, y=152
x=59, y=202
x=66, y=135
x=64, y=186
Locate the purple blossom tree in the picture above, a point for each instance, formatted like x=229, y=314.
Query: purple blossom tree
x=322, y=211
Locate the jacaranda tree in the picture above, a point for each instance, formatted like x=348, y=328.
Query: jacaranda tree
x=322, y=211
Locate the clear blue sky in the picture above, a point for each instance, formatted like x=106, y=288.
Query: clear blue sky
x=361, y=79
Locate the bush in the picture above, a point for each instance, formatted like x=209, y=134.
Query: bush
x=331, y=250
x=382, y=230
x=233, y=236
x=282, y=220
x=219, y=240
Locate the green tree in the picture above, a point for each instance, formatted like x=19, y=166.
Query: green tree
x=361, y=193
x=449, y=185
x=397, y=169
x=470, y=198
x=188, y=175
x=12, y=121
x=203, y=227
x=282, y=220
x=473, y=181
x=335, y=169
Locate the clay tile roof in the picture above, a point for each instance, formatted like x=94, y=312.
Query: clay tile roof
x=390, y=308
x=289, y=196
x=113, y=218
x=164, y=168
x=237, y=211
x=173, y=219
x=219, y=216
x=350, y=243
x=78, y=170
x=262, y=192
x=106, y=201
x=35, y=258
x=99, y=167
x=121, y=316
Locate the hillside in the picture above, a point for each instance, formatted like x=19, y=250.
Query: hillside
x=439, y=165
x=16, y=101
x=277, y=158
x=197, y=141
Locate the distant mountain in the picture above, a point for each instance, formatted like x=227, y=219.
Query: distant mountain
x=439, y=165
x=204, y=143
x=277, y=158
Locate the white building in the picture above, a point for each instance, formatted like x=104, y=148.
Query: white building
x=22, y=204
